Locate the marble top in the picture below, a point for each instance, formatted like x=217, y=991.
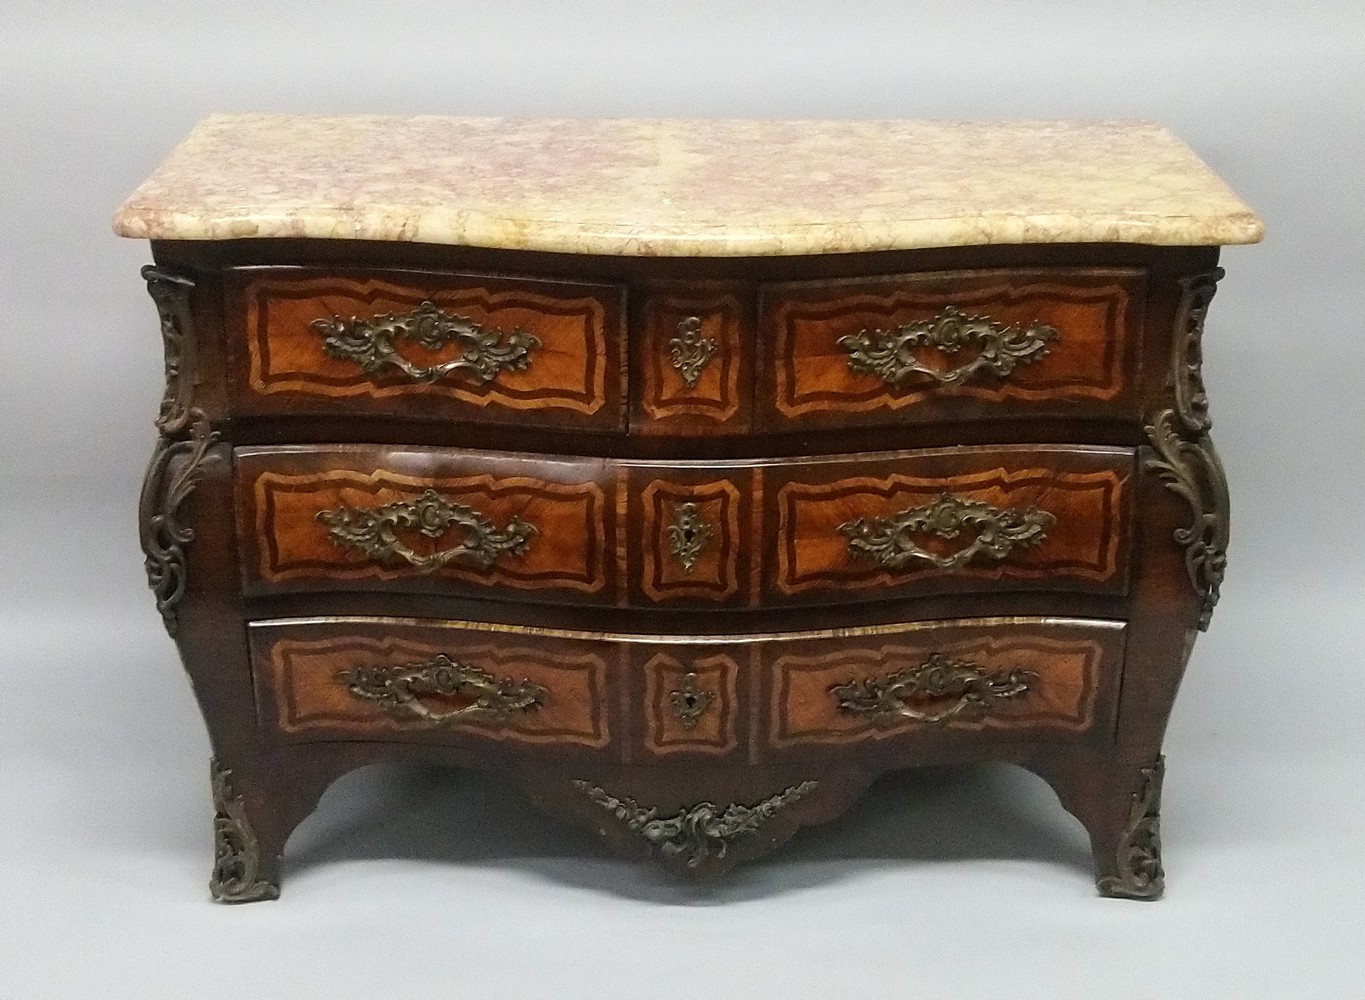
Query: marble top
x=677, y=187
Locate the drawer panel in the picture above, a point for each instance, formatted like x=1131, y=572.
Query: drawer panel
x=427, y=345
x=986, y=679
x=955, y=520
x=693, y=363
x=665, y=697
x=398, y=680
x=426, y=520
x=688, y=535
x=962, y=345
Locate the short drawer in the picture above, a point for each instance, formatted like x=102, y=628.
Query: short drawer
x=452, y=683
x=427, y=345
x=987, y=679
x=1047, y=518
x=951, y=346
x=427, y=520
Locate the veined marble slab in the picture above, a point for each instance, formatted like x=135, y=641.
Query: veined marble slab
x=685, y=187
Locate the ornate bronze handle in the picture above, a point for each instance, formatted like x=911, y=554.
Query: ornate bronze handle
x=689, y=700
x=975, y=690
x=689, y=351
x=887, y=541
x=688, y=535
x=889, y=354
x=484, y=352
x=373, y=533
x=399, y=690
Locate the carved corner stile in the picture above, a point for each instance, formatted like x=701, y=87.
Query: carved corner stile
x=1138, y=873
x=1186, y=461
x=237, y=863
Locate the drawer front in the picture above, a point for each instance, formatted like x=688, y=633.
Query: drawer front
x=426, y=520
x=1027, y=679
x=694, y=535
x=692, y=359
x=648, y=697
x=397, y=680
x=427, y=345
x=692, y=699
x=947, y=346
x=956, y=520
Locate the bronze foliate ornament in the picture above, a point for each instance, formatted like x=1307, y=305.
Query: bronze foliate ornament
x=1192, y=471
x=689, y=700
x=688, y=535
x=371, y=343
x=374, y=532
x=174, y=471
x=1138, y=873
x=689, y=351
x=237, y=872
x=890, y=354
x=973, y=691
x=399, y=690
x=889, y=541
x=697, y=833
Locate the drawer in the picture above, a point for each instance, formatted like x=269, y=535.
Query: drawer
x=692, y=363
x=1047, y=518
x=951, y=346
x=985, y=679
x=427, y=520
x=427, y=345
x=450, y=683
x=693, y=535
x=663, y=697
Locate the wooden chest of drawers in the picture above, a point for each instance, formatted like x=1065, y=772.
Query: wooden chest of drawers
x=689, y=489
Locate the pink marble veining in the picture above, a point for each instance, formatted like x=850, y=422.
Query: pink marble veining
x=685, y=187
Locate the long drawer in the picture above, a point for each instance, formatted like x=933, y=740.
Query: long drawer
x=687, y=358
x=647, y=534
x=659, y=696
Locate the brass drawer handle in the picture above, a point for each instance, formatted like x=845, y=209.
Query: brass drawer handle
x=688, y=535
x=889, y=354
x=888, y=541
x=373, y=533
x=974, y=690
x=400, y=690
x=689, y=700
x=484, y=352
x=689, y=351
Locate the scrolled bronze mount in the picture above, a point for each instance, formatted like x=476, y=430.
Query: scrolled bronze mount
x=890, y=354
x=371, y=343
x=689, y=700
x=688, y=535
x=374, y=532
x=689, y=351
x=696, y=833
x=399, y=690
x=889, y=541
x=972, y=689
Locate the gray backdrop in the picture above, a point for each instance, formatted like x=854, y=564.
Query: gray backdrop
x=970, y=883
